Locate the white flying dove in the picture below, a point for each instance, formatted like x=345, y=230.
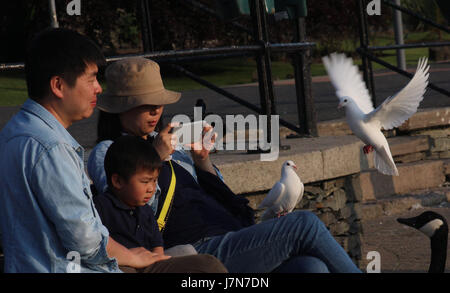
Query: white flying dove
x=365, y=121
x=285, y=194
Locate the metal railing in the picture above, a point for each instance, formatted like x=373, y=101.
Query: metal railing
x=261, y=49
x=366, y=51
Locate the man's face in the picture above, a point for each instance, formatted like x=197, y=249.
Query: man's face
x=80, y=100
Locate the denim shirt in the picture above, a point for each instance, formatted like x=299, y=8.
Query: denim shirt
x=96, y=171
x=48, y=219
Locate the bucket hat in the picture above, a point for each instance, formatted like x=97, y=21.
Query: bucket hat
x=133, y=82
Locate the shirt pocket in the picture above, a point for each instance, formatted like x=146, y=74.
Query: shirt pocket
x=89, y=198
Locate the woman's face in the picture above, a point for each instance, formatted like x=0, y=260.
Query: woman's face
x=142, y=120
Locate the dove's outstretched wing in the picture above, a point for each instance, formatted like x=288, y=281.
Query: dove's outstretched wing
x=347, y=80
x=398, y=108
x=274, y=195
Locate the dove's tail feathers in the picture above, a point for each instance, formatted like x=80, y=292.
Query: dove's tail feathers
x=384, y=162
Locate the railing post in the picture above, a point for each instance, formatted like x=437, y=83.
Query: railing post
x=307, y=117
x=364, y=43
x=398, y=29
x=267, y=100
x=146, y=26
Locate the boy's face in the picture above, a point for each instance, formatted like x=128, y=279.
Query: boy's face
x=138, y=189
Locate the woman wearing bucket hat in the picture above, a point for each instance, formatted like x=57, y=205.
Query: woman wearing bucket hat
x=192, y=203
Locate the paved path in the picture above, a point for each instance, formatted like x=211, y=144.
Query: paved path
x=402, y=248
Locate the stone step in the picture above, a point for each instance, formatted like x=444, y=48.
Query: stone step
x=317, y=159
x=401, y=203
x=423, y=118
x=371, y=185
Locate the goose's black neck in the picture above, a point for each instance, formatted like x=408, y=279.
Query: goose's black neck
x=439, y=250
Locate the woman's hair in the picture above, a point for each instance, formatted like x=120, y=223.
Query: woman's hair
x=108, y=126
x=128, y=154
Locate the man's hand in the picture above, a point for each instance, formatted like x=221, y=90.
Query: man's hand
x=138, y=257
x=141, y=257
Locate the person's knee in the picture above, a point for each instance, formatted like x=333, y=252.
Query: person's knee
x=307, y=217
x=313, y=265
x=207, y=263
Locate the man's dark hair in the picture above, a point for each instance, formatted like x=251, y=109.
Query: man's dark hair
x=58, y=52
x=128, y=154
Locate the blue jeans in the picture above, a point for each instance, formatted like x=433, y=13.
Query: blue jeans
x=280, y=244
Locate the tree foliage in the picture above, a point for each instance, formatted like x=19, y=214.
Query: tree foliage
x=115, y=25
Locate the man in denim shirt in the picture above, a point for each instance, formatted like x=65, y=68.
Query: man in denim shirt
x=48, y=220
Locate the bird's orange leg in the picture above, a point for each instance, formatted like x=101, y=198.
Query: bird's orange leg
x=367, y=149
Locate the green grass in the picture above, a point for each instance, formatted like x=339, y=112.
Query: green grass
x=237, y=71
x=13, y=89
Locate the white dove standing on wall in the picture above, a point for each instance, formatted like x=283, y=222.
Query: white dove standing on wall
x=365, y=121
x=285, y=194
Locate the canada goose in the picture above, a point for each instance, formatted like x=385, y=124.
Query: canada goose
x=434, y=226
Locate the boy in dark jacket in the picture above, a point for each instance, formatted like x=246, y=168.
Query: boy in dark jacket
x=132, y=167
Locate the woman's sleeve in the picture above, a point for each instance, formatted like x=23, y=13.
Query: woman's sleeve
x=95, y=165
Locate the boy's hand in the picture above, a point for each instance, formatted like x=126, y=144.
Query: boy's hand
x=165, y=142
x=142, y=257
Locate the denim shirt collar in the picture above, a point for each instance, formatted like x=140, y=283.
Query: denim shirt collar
x=37, y=109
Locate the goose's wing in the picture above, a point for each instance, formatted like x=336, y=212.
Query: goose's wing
x=399, y=107
x=274, y=195
x=347, y=80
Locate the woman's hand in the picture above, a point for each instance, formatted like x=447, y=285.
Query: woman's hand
x=165, y=142
x=200, y=150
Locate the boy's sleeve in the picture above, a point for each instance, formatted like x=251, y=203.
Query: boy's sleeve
x=155, y=235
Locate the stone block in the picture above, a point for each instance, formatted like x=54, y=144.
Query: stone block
x=433, y=133
x=333, y=128
x=425, y=118
x=350, y=211
x=371, y=211
x=341, y=160
x=444, y=155
x=317, y=159
x=408, y=158
x=402, y=145
x=327, y=218
x=440, y=144
x=372, y=185
x=339, y=228
x=446, y=164
x=336, y=201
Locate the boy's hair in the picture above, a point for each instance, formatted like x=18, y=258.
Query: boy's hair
x=129, y=154
x=58, y=52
